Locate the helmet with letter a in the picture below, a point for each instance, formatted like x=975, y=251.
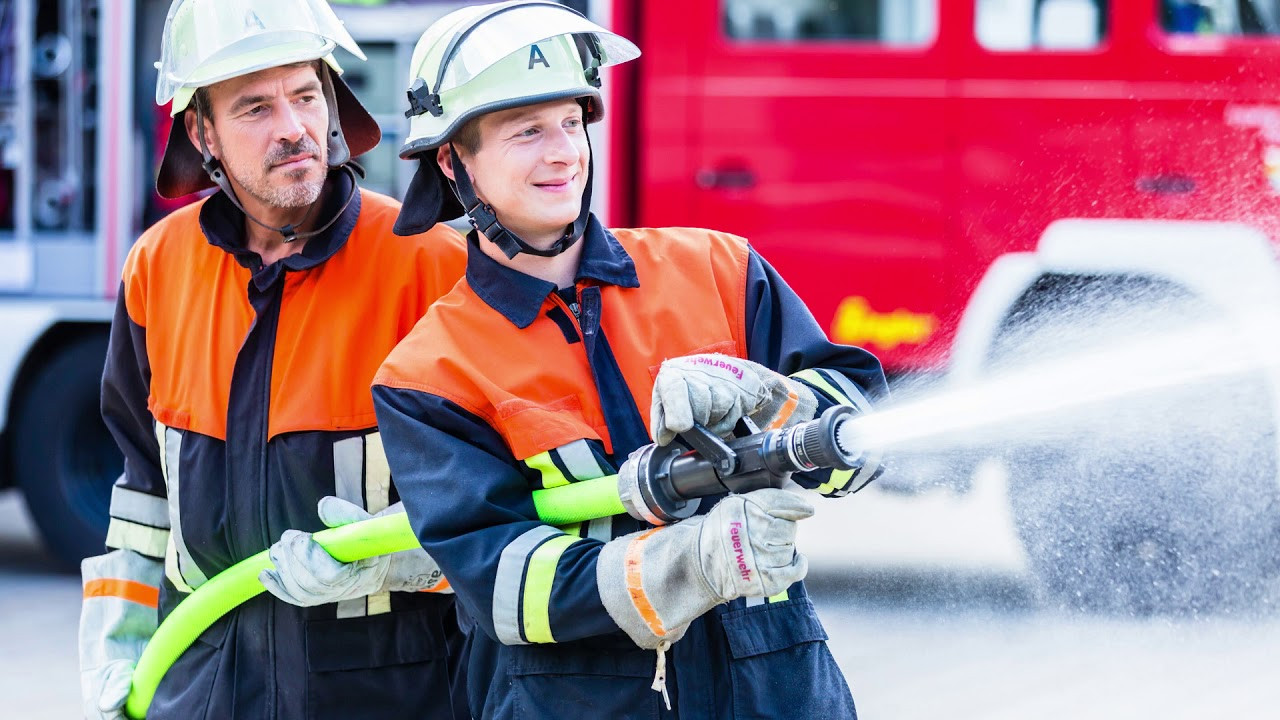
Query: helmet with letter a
x=484, y=59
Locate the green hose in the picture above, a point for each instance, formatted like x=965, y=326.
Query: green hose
x=576, y=502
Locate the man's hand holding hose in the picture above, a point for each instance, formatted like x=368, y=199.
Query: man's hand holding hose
x=305, y=574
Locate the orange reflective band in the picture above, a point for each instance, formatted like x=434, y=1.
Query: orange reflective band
x=125, y=589
x=635, y=586
x=784, y=413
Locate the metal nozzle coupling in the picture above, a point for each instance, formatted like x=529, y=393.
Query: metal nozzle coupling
x=827, y=442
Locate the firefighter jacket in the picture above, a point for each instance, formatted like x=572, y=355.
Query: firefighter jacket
x=506, y=386
x=239, y=394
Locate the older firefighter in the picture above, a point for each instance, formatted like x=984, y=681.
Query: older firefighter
x=540, y=370
x=248, y=328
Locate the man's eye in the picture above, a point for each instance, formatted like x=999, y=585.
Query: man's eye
x=573, y=123
x=528, y=132
x=256, y=110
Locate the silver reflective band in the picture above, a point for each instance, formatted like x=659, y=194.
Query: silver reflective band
x=508, y=585
x=138, y=507
x=142, y=539
x=601, y=529
x=179, y=566
x=348, y=484
x=580, y=461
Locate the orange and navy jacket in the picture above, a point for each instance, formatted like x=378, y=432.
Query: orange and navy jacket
x=239, y=394
x=508, y=385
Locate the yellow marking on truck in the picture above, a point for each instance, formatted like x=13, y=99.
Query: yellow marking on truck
x=857, y=323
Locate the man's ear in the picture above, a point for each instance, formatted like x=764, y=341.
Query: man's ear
x=210, y=136
x=444, y=159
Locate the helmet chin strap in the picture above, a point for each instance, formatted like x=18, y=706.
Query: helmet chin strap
x=213, y=166
x=485, y=220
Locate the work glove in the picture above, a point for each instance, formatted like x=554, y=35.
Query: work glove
x=717, y=390
x=305, y=574
x=656, y=582
x=106, y=692
x=116, y=622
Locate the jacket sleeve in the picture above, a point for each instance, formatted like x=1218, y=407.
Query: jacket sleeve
x=522, y=581
x=122, y=587
x=139, y=507
x=783, y=336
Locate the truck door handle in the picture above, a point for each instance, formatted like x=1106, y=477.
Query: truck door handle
x=726, y=178
x=1166, y=184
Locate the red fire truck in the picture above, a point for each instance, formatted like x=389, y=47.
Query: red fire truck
x=949, y=183
x=942, y=181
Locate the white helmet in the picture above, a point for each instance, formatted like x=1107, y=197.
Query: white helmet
x=486, y=58
x=208, y=41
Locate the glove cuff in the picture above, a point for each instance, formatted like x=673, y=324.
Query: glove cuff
x=650, y=583
x=790, y=402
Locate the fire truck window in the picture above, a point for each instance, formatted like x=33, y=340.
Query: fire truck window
x=1053, y=25
x=1220, y=17
x=64, y=91
x=888, y=22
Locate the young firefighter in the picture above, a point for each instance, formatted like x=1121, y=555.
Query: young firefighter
x=539, y=370
x=248, y=328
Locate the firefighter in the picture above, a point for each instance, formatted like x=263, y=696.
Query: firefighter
x=541, y=368
x=248, y=328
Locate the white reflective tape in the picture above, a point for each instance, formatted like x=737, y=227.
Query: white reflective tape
x=348, y=470
x=379, y=603
x=377, y=475
x=580, y=461
x=171, y=569
x=600, y=529
x=142, y=539
x=348, y=484
x=179, y=565
x=377, y=496
x=138, y=507
x=508, y=585
x=754, y=601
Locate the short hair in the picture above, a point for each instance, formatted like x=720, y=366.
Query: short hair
x=468, y=136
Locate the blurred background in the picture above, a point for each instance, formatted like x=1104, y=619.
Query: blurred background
x=1055, y=221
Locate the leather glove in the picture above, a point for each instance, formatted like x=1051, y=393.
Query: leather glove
x=654, y=583
x=717, y=390
x=306, y=575
x=105, y=693
x=114, y=630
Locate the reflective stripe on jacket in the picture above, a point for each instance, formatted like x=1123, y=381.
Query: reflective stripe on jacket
x=506, y=387
x=239, y=395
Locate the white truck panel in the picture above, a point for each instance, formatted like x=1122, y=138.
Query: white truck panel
x=22, y=323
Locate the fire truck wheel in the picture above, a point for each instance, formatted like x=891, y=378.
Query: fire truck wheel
x=64, y=459
x=1166, y=503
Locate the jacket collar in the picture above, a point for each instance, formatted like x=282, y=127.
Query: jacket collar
x=223, y=226
x=519, y=297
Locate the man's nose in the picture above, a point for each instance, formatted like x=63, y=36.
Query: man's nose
x=289, y=127
x=562, y=147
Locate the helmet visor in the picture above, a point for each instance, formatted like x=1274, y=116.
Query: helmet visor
x=207, y=41
x=498, y=35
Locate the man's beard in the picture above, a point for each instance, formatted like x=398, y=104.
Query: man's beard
x=296, y=194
